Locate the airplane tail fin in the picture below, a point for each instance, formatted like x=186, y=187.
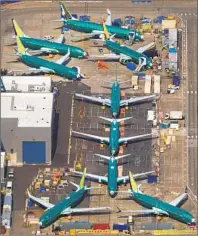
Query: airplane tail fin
x=118, y=120
x=134, y=186
x=106, y=33
x=109, y=19
x=65, y=14
x=82, y=181
x=20, y=47
x=17, y=30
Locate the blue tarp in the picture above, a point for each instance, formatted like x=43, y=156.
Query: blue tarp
x=84, y=18
x=9, y=1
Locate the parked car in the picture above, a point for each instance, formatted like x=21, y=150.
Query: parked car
x=11, y=173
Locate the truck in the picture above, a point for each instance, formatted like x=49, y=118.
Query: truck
x=174, y=115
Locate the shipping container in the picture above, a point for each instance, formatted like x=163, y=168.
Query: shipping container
x=155, y=226
x=100, y=226
x=84, y=18
x=121, y=227
x=131, y=66
x=117, y=22
x=175, y=115
x=176, y=80
x=152, y=179
x=164, y=125
x=147, y=87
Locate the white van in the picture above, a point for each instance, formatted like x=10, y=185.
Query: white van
x=9, y=187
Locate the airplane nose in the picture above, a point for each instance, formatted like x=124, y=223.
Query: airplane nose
x=142, y=37
x=40, y=223
x=112, y=192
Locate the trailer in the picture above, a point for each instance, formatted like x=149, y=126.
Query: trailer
x=174, y=115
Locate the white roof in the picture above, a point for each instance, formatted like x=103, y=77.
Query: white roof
x=31, y=109
x=2, y=159
x=27, y=83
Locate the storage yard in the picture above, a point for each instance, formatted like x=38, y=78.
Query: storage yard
x=40, y=152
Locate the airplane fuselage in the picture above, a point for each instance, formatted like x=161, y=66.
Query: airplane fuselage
x=134, y=55
x=37, y=62
x=53, y=213
x=112, y=177
x=115, y=99
x=114, y=137
x=37, y=44
x=174, y=212
x=89, y=27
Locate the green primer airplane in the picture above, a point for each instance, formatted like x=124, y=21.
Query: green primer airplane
x=115, y=102
x=112, y=180
x=159, y=207
x=65, y=206
x=40, y=65
x=123, y=53
x=114, y=139
x=45, y=46
x=96, y=29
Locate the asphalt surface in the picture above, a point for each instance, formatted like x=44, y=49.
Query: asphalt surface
x=83, y=149
x=191, y=31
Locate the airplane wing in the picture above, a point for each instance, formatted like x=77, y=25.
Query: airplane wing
x=79, y=210
x=93, y=33
x=179, y=199
x=63, y=59
x=146, y=47
x=104, y=101
x=105, y=57
x=154, y=210
x=40, y=201
x=126, y=178
x=126, y=139
x=99, y=138
x=60, y=39
x=98, y=177
x=136, y=99
x=35, y=70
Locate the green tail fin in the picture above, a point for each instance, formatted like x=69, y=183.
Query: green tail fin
x=82, y=181
x=65, y=14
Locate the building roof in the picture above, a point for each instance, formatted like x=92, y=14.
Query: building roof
x=31, y=109
x=27, y=83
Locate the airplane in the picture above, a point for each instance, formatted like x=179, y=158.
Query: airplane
x=114, y=139
x=44, y=66
x=112, y=180
x=158, y=207
x=115, y=102
x=95, y=29
x=45, y=46
x=65, y=206
x=123, y=53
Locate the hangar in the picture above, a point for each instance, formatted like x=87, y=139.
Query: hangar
x=26, y=126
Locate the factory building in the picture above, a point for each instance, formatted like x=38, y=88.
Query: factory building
x=26, y=84
x=26, y=126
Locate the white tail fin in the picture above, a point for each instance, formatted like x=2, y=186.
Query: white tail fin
x=108, y=20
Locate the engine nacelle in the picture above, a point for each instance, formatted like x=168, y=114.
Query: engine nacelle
x=102, y=36
x=124, y=61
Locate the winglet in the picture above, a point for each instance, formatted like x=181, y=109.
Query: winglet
x=105, y=31
x=133, y=183
x=82, y=181
x=65, y=14
x=20, y=46
x=17, y=29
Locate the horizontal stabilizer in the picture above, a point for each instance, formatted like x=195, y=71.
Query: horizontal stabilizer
x=112, y=120
x=75, y=185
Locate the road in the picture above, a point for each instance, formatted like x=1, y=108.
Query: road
x=191, y=76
